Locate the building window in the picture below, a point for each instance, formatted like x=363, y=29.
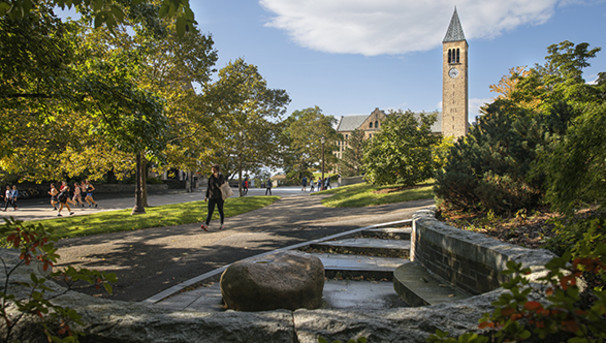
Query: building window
x=370, y=125
x=449, y=55
x=376, y=124
x=346, y=137
x=370, y=135
x=458, y=54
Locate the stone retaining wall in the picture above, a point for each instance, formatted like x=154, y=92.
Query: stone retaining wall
x=468, y=260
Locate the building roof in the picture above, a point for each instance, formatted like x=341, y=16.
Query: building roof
x=350, y=123
x=437, y=126
x=455, y=30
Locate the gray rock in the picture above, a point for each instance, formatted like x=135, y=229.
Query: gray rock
x=285, y=280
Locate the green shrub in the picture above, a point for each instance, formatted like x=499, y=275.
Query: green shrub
x=35, y=243
x=494, y=166
x=562, y=311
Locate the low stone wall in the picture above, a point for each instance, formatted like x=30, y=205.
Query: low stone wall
x=468, y=260
x=118, y=188
x=344, y=181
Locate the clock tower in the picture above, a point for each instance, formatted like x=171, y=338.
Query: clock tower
x=455, y=102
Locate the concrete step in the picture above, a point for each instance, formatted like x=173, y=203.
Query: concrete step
x=365, y=246
x=398, y=233
x=417, y=287
x=357, y=267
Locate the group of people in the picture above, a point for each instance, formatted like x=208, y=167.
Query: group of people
x=81, y=193
x=10, y=197
x=312, y=185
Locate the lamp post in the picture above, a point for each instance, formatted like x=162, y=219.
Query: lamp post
x=240, y=165
x=323, y=140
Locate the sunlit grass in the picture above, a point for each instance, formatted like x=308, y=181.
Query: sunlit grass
x=157, y=216
x=364, y=194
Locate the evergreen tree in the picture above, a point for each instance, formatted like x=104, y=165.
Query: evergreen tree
x=350, y=163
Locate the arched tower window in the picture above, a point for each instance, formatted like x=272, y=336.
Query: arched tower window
x=458, y=55
x=370, y=125
x=449, y=55
x=376, y=124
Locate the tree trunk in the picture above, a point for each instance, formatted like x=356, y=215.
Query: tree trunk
x=138, y=208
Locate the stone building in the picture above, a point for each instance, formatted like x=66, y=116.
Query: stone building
x=369, y=124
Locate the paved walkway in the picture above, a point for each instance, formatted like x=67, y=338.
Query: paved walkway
x=152, y=260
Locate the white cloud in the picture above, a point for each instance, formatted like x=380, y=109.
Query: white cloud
x=374, y=27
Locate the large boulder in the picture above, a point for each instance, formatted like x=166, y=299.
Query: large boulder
x=285, y=280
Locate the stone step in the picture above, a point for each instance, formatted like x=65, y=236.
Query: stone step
x=365, y=246
x=349, y=266
x=417, y=287
x=397, y=233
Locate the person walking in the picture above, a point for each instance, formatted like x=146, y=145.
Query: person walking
x=7, y=197
x=53, y=192
x=63, y=198
x=268, y=187
x=311, y=185
x=304, y=184
x=214, y=196
x=319, y=184
x=89, y=189
x=15, y=196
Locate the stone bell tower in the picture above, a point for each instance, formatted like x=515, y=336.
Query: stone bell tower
x=455, y=103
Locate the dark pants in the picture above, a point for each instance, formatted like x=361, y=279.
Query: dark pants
x=211, y=209
x=268, y=190
x=9, y=202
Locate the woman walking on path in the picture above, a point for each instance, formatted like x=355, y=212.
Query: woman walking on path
x=8, y=197
x=53, y=193
x=214, y=196
x=268, y=185
x=89, y=189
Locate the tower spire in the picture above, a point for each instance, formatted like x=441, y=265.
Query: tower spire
x=455, y=30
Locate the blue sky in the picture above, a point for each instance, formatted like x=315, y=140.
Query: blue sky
x=348, y=57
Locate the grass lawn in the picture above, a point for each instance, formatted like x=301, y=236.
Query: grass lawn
x=158, y=216
x=364, y=194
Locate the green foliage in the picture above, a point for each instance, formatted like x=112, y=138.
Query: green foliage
x=245, y=130
x=350, y=163
x=495, y=166
x=401, y=152
x=561, y=311
x=34, y=243
x=577, y=167
x=107, y=13
x=302, y=142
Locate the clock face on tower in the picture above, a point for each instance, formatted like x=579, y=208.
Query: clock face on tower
x=453, y=72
